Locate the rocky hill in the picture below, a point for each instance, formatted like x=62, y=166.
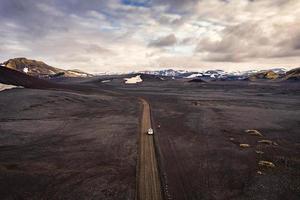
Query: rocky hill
x=293, y=74
x=265, y=75
x=40, y=69
x=273, y=74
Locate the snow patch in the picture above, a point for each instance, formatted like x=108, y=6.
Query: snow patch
x=194, y=75
x=105, y=81
x=26, y=70
x=133, y=80
x=7, y=87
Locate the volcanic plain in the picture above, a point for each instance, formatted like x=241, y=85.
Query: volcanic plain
x=234, y=140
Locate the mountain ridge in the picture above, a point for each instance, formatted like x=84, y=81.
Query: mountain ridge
x=40, y=69
x=272, y=74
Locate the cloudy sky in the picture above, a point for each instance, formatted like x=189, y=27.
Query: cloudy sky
x=131, y=35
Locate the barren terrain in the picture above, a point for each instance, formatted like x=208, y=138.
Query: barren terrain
x=83, y=142
x=67, y=145
x=202, y=127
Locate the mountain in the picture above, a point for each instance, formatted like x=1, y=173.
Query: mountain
x=293, y=74
x=204, y=75
x=212, y=75
x=273, y=74
x=31, y=67
x=265, y=75
x=40, y=69
x=166, y=72
x=279, y=70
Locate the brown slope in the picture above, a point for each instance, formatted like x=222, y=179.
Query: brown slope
x=264, y=75
x=293, y=74
x=35, y=68
x=40, y=69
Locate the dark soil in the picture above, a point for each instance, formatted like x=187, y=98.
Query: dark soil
x=82, y=144
x=199, y=129
x=66, y=145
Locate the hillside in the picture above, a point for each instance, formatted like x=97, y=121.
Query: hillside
x=40, y=69
x=293, y=74
x=267, y=75
x=13, y=77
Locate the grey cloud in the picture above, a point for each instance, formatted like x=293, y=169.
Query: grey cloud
x=168, y=40
x=223, y=57
x=250, y=40
x=188, y=41
x=74, y=57
x=94, y=48
x=165, y=20
x=178, y=6
x=37, y=18
x=41, y=17
x=295, y=40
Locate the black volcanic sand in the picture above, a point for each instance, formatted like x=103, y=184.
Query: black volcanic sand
x=64, y=145
x=202, y=126
x=83, y=145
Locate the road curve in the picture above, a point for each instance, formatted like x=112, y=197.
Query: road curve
x=149, y=186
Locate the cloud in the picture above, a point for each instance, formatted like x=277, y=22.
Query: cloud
x=269, y=35
x=249, y=41
x=115, y=35
x=178, y=6
x=165, y=41
x=94, y=48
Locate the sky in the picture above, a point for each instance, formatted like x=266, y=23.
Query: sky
x=134, y=35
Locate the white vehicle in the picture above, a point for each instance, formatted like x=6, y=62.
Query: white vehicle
x=150, y=131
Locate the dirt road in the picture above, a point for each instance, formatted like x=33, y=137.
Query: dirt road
x=149, y=186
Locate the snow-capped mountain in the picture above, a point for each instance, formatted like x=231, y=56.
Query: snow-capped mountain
x=214, y=74
x=166, y=72
x=279, y=70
